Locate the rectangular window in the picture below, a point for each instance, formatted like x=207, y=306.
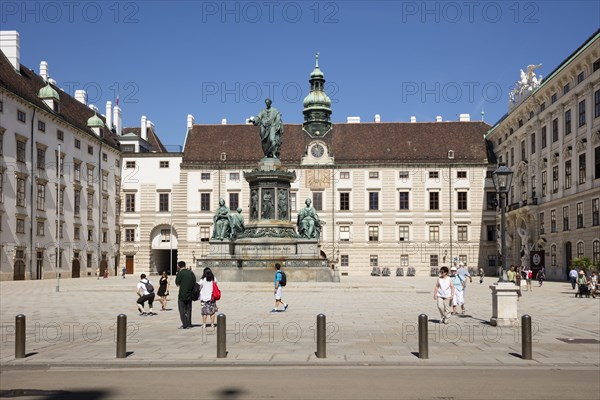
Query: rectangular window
x=433, y=260
x=462, y=233
x=404, y=233
x=597, y=103
x=373, y=200
x=373, y=261
x=204, y=201
x=41, y=196
x=90, y=175
x=105, y=209
x=130, y=235
x=21, y=116
x=130, y=202
x=344, y=175
x=403, y=175
x=568, y=174
x=104, y=182
x=491, y=233
x=568, y=125
x=163, y=202
x=434, y=233
x=491, y=202
x=373, y=233
x=555, y=179
x=129, y=164
x=491, y=260
x=90, y=206
x=77, y=202
x=553, y=221
x=90, y=150
x=462, y=200
x=579, y=215
x=205, y=176
x=77, y=172
x=595, y=212
x=580, y=77
x=204, y=233
x=318, y=200
x=533, y=143
x=40, y=228
x=163, y=164
x=373, y=175
x=434, y=200
x=165, y=235
x=41, y=126
x=20, y=151
x=77, y=233
x=404, y=205
x=461, y=174
x=566, y=88
x=344, y=261
x=554, y=130
x=293, y=201
x=344, y=201
x=234, y=176
x=523, y=157
x=544, y=182
x=597, y=162
x=542, y=224
x=544, y=137
x=582, y=113
x=20, y=192
x=20, y=225
x=404, y=260
x=104, y=157
x=582, y=170
x=533, y=186
x=566, y=218
x=344, y=233
x=512, y=156
x=434, y=175
x=41, y=158
x=553, y=98
x=104, y=236
x=60, y=135
x=234, y=201
x=77, y=144
x=542, y=106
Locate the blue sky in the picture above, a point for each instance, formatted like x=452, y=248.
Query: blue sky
x=217, y=59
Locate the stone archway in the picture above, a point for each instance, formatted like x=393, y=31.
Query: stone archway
x=163, y=244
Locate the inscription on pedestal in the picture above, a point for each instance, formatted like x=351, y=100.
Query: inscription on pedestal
x=258, y=250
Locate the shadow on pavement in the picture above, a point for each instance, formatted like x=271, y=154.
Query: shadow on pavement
x=55, y=394
x=231, y=393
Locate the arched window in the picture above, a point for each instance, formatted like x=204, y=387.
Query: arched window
x=596, y=251
x=579, y=249
x=553, y=255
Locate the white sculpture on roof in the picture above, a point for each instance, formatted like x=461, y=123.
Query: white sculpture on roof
x=526, y=84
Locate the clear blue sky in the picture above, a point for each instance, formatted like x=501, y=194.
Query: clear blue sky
x=219, y=59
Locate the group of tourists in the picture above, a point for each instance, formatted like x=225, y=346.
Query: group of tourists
x=449, y=291
x=586, y=285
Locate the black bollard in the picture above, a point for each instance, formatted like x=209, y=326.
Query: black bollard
x=321, y=336
x=121, y=336
x=423, y=337
x=20, y=336
x=526, y=338
x=221, y=336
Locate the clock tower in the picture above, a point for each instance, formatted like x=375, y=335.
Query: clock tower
x=317, y=105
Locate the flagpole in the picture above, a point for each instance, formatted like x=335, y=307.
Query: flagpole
x=58, y=224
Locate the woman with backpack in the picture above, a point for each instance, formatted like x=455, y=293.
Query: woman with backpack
x=208, y=299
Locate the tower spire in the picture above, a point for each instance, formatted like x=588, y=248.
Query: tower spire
x=317, y=105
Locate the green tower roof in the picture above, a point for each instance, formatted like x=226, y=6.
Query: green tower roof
x=48, y=92
x=317, y=73
x=95, y=122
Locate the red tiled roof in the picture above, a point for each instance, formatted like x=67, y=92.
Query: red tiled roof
x=386, y=142
x=27, y=85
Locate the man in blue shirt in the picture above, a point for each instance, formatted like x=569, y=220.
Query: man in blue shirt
x=277, y=284
x=459, y=286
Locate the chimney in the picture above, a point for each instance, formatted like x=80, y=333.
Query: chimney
x=81, y=96
x=11, y=47
x=44, y=70
x=144, y=125
x=190, y=121
x=438, y=118
x=117, y=120
x=377, y=118
x=413, y=119
x=224, y=121
x=353, y=120
x=464, y=117
x=109, y=114
x=52, y=82
x=248, y=121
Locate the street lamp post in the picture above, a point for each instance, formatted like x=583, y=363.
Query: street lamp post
x=502, y=178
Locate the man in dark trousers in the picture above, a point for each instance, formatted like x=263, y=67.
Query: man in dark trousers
x=185, y=280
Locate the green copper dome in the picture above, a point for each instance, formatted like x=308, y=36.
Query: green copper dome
x=48, y=92
x=317, y=105
x=317, y=98
x=95, y=122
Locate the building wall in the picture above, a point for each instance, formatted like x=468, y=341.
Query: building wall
x=23, y=246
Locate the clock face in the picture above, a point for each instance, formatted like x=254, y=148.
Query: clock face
x=317, y=150
x=536, y=259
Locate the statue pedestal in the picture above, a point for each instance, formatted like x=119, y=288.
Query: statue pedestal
x=504, y=304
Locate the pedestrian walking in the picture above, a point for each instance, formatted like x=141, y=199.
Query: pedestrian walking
x=443, y=292
x=209, y=304
x=573, y=277
x=593, y=284
x=123, y=271
x=98, y=273
x=511, y=274
x=459, y=287
x=518, y=279
x=106, y=273
x=145, y=292
x=279, y=281
x=528, y=276
x=163, y=290
x=541, y=276
x=185, y=280
x=481, y=275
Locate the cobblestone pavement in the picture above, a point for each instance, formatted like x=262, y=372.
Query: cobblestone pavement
x=370, y=320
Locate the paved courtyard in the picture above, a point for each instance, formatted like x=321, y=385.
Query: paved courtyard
x=370, y=320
